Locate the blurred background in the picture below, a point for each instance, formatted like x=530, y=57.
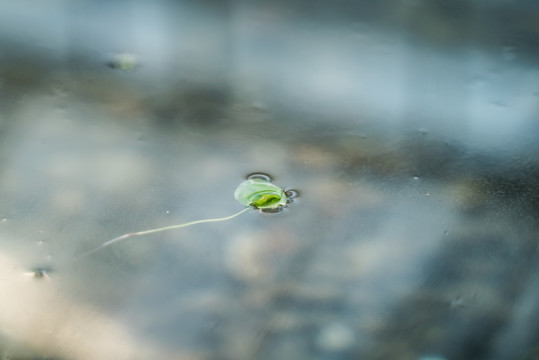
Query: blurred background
x=408, y=127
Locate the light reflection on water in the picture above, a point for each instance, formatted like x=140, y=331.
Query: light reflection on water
x=415, y=164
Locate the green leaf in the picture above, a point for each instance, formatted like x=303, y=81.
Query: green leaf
x=260, y=193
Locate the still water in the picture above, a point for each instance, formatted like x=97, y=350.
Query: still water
x=408, y=130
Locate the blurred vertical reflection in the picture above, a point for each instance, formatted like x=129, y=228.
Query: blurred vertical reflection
x=409, y=128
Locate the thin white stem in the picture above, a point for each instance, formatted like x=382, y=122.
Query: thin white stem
x=151, y=231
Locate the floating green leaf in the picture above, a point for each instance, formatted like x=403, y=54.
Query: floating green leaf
x=260, y=194
x=255, y=192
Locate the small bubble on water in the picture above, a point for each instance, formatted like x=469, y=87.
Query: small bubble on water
x=291, y=194
x=416, y=177
x=3, y=220
x=259, y=175
x=40, y=273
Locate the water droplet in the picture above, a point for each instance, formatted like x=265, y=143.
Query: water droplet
x=40, y=273
x=167, y=212
x=4, y=220
x=416, y=177
x=259, y=175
